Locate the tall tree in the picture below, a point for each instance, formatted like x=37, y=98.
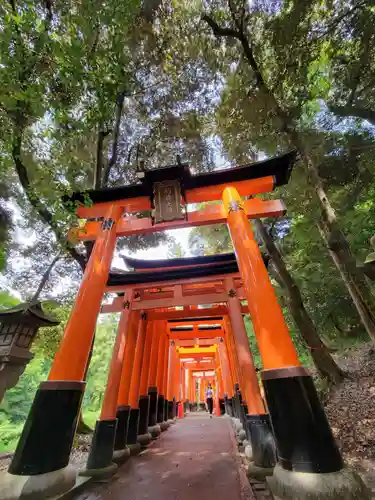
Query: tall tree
x=217, y=240
x=323, y=360
x=238, y=23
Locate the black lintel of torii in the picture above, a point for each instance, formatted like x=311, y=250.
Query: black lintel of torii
x=279, y=167
x=180, y=272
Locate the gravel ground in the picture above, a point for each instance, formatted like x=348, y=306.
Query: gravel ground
x=351, y=411
x=78, y=457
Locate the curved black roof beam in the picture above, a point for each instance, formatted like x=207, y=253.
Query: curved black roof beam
x=178, y=262
x=137, y=278
x=279, y=167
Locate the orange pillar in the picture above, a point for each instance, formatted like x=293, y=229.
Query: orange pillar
x=62, y=393
x=109, y=405
x=135, y=383
x=143, y=389
x=165, y=374
x=225, y=369
x=71, y=358
x=189, y=388
x=177, y=385
x=232, y=355
x=177, y=376
x=101, y=451
x=160, y=375
x=275, y=344
x=250, y=390
x=152, y=380
x=183, y=382
x=202, y=389
x=219, y=376
x=132, y=440
x=217, y=396
x=123, y=407
x=193, y=396
x=165, y=378
x=171, y=381
x=144, y=399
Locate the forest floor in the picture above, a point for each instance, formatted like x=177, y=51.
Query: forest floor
x=350, y=407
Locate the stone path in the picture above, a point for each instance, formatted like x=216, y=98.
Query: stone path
x=195, y=459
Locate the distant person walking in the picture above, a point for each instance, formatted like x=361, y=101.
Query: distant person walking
x=210, y=399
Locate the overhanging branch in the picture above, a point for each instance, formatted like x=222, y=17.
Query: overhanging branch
x=116, y=134
x=355, y=111
x=218, y=30
x=39, y=206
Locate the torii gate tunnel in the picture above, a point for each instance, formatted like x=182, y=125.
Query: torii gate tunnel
x=181, y=326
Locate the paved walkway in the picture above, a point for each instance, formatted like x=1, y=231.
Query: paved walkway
x=195, y=459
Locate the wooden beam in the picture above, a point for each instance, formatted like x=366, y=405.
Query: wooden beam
x=197, y=367
x=214, y=298
x=245, y=188
x=207, y=342
x=255, y=208
x=192, y=336
x=172, y=283
x=196, y=351
x=196, y=322
x=130, y=205
x=197, y=195
x=188, y=313
x=117, y=306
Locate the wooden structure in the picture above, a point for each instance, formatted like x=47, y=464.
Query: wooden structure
x=19, y=326
x=177, y=318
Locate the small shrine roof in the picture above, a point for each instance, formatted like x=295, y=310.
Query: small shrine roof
x=140, y=264
x=25, y=311
x=178, y=273
x=280, y=167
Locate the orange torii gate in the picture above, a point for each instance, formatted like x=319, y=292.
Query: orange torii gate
x=146, y=378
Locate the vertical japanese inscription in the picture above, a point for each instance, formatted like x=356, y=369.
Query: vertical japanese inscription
x=167, y=201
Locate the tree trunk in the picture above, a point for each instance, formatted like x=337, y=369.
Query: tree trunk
x=45, y=278
x=338, y=246
x=83, y=428
x=323, y=360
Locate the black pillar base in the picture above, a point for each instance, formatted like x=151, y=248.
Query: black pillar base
x=222, y=406
x=133, y=426
x=48, y=433
x=303, y=435
x=160, y=409
x=170, y=410
x=144, y=408
x=123, y=414
x=166, y=406
x=174, y=408
x=153, y=410
x=230, y=407
x=102, y=444
x=242, y=415
x=237, y=399
x=262, y=440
